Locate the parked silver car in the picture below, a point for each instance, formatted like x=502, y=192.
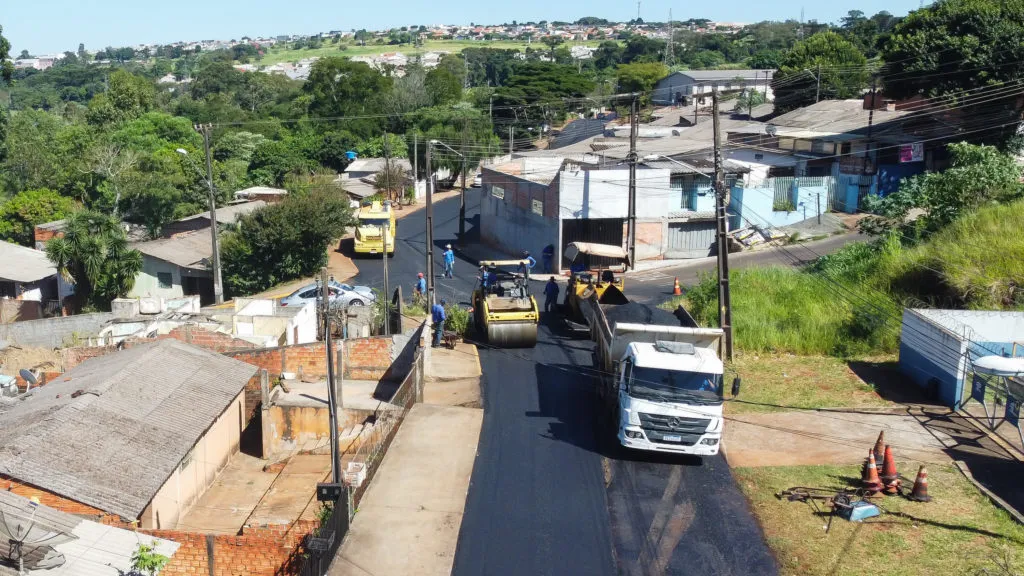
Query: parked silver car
x=341, y=295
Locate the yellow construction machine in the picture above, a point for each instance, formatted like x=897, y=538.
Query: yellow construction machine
x=593, y=270
x=503, y=308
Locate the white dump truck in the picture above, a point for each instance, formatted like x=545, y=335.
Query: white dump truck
x=661, y=384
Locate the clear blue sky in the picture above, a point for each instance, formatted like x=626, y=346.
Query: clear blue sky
x=58, y=25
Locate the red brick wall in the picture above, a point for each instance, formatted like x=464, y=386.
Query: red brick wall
x=265, y=551
x=367, y=358
x=42, y=235
x=42, y=380
x=194, y=335
x=61, y=503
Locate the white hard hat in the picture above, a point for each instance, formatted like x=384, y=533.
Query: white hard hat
x=447, y=245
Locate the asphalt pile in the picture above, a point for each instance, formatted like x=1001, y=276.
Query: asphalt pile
x=637, y=313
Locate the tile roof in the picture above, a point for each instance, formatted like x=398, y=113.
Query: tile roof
x=94, y=550
x=188, y=250
x=21, y=264
x=111, y=431
x=837, y=117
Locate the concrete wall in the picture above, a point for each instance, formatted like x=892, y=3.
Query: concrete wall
x=189, y=481
x=666, y=88
x=755, y=206
x=930, y=352
x=509, y=223
x=54, y=332
x=605, y=194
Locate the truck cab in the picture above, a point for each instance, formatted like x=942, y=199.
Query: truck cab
x=375, y=228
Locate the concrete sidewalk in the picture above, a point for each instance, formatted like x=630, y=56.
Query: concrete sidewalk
x=408, y=522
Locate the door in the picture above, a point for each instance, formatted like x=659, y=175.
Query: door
x=693, y=239
x=598, y=230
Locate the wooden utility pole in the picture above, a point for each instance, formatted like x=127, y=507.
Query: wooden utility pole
x=509, y=140
x=462, y=196
x=387, y=302
x=333, y=399
x=721, y=218
x=218, y=285
x=387, y=166
x=632, y=158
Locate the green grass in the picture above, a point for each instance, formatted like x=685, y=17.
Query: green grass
x=783, y=310
x=773, y=382
x=277, y=55
x=959, y=532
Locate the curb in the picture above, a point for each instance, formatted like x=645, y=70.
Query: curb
x=960, y=465
x=1010, y=448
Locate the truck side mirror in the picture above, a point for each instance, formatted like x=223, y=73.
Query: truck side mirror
x=736, y=386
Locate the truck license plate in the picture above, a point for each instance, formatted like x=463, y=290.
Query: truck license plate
x=672, y=438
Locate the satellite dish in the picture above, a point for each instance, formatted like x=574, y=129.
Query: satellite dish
x=32, y=542
x=28, y=377
x=771, y=129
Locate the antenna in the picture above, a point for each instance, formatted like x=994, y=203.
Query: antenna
x=637, y=11
x=800, y=34
x=28, y=377
x=32, y=542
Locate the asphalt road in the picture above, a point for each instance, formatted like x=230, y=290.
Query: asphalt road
x=551, y=493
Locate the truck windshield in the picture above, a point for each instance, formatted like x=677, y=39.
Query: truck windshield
x=373, y=221
x=675, y=386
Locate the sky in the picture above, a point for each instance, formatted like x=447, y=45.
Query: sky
x=62, y=24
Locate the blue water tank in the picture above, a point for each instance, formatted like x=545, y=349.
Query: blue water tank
x=350, y=155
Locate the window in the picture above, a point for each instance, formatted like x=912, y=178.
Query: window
x=538, y=207
x=164, y=279
x=817, y=146
x=498, y=192
x=845, y=148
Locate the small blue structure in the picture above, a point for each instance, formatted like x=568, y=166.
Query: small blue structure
x=350, y=155
x=937, y=347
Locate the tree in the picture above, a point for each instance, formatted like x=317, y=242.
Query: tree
x=843, y=72
x=339, y=87
x=146, y=561
x=24, y=55
x=954, y=46
x=284, y=241
x=94, y=255
x=6, y=67
x=552, y=42
x=129, y=96
x=444, y=83
x=608, y=54
x=978, y=175
x=112, y=163
x=640, y=77
x=20, y=214
x=747, y=99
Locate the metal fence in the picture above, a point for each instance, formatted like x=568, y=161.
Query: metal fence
x=322, y=545
x=785, y=187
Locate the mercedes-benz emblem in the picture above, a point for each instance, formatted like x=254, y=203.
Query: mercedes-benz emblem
x=673, y=422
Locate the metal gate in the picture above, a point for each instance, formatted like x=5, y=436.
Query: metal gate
x=599, y=230
x=691, y=239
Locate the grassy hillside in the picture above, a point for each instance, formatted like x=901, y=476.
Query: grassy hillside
x=849, y=303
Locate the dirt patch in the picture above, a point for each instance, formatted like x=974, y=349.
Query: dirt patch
x=13, y=359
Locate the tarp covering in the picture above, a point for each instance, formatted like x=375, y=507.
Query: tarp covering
x=607, y=250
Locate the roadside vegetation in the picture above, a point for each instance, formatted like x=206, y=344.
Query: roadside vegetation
x=959, y=532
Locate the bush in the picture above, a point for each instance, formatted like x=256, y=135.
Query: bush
x=458, y=319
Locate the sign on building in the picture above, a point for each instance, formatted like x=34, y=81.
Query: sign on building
x=498, y=192
x=538, y=207
x=978, y=388
x=912, y=152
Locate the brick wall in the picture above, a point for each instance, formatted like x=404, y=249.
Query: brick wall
x=368, y=358
x=263, y=551
x=43, y=235
x=61, y=503
x=41, y=381
x=194, y=335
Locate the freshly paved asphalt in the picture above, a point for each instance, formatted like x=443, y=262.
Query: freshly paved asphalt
x=551, y=493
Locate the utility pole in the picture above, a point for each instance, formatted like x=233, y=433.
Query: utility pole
x=817, y=206
x=332, y=392
x=218, y=286
x=721, y=217
x=387, y=296
x=817, y=88
x=669, y=56
x=510, y=140
x=429, y=212
x=462, y=196
x=632, y=158
x=387, y=166
x=871, y=119
x=415, y=162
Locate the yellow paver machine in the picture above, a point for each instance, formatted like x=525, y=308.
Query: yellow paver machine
x=503, y=308
x=588, y=276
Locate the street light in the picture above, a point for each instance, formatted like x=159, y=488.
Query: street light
x=218, y=287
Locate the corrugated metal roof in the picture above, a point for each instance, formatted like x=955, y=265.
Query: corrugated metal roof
x=232, y=212
x=707, y=75
x=189, y=250
x=21, y=264
x=376, y=164
x=133, y=417
x=836, y=117
x=96, y=550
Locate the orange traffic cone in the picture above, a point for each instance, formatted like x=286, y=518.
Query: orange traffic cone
x=870, y=479
x=676, y=290
x=920, y=491
x=890, y=477
x=880, y=446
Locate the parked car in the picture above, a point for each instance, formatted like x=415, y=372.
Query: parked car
x=341, y=295
x=478, y=180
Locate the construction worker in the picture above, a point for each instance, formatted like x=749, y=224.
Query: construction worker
x=449, y=261
x=547, y=256
x=438, y=317
x=484, y=280
x=527, y=265
x=419, y=289
x=551, y=295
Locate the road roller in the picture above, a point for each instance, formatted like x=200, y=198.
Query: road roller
x=593, y=269
x=503, y=308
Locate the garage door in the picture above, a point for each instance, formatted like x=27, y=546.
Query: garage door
x=690, y=239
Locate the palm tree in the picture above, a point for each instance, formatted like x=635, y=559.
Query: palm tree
x=93, y=254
